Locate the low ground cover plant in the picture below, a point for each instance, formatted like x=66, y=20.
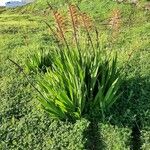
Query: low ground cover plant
x=23, y=125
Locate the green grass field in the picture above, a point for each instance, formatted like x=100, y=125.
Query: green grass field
x=25, y=126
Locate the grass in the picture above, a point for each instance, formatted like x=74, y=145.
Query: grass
x=23, y=125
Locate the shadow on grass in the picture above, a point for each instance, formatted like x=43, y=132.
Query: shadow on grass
x=128, y=111
x=93, y=136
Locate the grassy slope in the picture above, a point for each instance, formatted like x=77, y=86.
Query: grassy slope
x=24, y=126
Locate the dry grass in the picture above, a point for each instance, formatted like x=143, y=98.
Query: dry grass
x=115, y=22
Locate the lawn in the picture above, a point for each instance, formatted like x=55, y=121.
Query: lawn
x=25, y=126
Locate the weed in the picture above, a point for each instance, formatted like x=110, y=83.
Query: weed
x=80, y=82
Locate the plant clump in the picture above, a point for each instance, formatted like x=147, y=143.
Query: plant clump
x=82, y=80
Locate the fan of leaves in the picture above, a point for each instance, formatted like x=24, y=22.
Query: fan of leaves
x=80, y=81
